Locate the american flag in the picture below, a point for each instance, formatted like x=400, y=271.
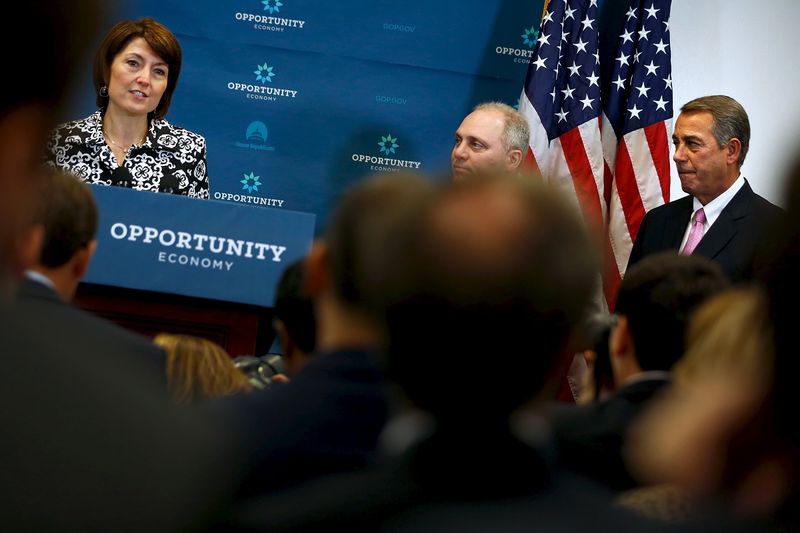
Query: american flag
x=603, y=140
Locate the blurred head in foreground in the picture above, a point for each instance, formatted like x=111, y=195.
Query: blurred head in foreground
x=499, y=274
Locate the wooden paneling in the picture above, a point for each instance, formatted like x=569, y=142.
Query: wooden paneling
x=239, y=328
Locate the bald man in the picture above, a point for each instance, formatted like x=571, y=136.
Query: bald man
x=493, y=138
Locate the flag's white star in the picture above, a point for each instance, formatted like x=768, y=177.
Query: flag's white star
x=587, y=23
x=668, y=81
x=562, y=116
x=662, y=46
x=580, y=46
x=623, y=59
x=574, y=69
x=643, y=33
x=631, y=13
x=652, y=11
x=548, y=17
x=619, y=82
x=661, y=104
x=642, y=90
x=539, y=62
x=569, y=13
x=636, y=57
x=593, y=80
x=651, y=68
x=587, y=102
x=553, y=94
x=634, y=111
x=567, y=92
x=626, y=37
x=543, y=39
x=666, y=25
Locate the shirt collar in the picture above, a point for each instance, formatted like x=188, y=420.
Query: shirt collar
x=713, y=208
x=38, y=277
x=96, y=132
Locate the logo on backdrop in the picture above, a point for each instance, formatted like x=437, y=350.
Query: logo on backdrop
x=256, y=90
x=269, y=18
x=250, y=184
x=196, y=250
x=273, y=6
x=264, y=73
x=256, y=138
x=523, y=53
x=387, y=146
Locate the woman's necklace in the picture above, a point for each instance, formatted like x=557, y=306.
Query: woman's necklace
x=115, y=143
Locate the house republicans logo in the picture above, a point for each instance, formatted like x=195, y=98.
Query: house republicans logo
x=524, y=53
x=257, y=90
x=256, y=138
x=382, y=162
x=250, y=184
x=197, y=250
x=269, y=18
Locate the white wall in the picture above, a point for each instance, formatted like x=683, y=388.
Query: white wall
x=747, y=50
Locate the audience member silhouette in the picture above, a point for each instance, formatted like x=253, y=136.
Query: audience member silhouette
x=655, y=301
x=329, y=416
x=294, y=318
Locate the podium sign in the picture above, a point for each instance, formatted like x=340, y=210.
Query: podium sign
x=203, y=248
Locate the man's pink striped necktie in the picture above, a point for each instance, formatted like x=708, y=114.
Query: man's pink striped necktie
x=696, y=233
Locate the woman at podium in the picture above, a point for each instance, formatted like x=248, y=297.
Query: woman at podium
x=128, y=142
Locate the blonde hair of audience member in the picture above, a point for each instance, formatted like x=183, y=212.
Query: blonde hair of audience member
x=199, y=368
x=729, y=333
x=720, y=383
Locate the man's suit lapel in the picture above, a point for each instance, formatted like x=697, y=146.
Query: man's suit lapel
x=675, y=226
x=727, y=225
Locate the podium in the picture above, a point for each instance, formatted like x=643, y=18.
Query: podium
x=167, y=263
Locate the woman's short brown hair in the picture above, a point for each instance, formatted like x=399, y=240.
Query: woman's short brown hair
x=160, y=39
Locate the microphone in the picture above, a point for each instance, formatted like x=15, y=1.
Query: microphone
x=121, y=177
x=168, y=184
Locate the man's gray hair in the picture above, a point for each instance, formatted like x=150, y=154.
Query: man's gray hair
x=730, y=120
x=516, y=133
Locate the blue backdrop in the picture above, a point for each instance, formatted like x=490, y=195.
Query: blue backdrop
x=300, y=98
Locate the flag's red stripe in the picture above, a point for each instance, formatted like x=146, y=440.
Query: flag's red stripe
x=628, y=190
x=611, y=275
x=657, y=139
x=529, y=163
x=582, y=177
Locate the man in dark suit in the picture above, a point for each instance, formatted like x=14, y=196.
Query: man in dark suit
x=67, y=215
x=722, y=218
x=329, y=416
x=655, y=301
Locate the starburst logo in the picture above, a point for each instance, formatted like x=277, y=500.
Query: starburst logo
x=264, y=73
x=388, y=144
x=273, y=6
x=250, y=182
x=530, y=36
